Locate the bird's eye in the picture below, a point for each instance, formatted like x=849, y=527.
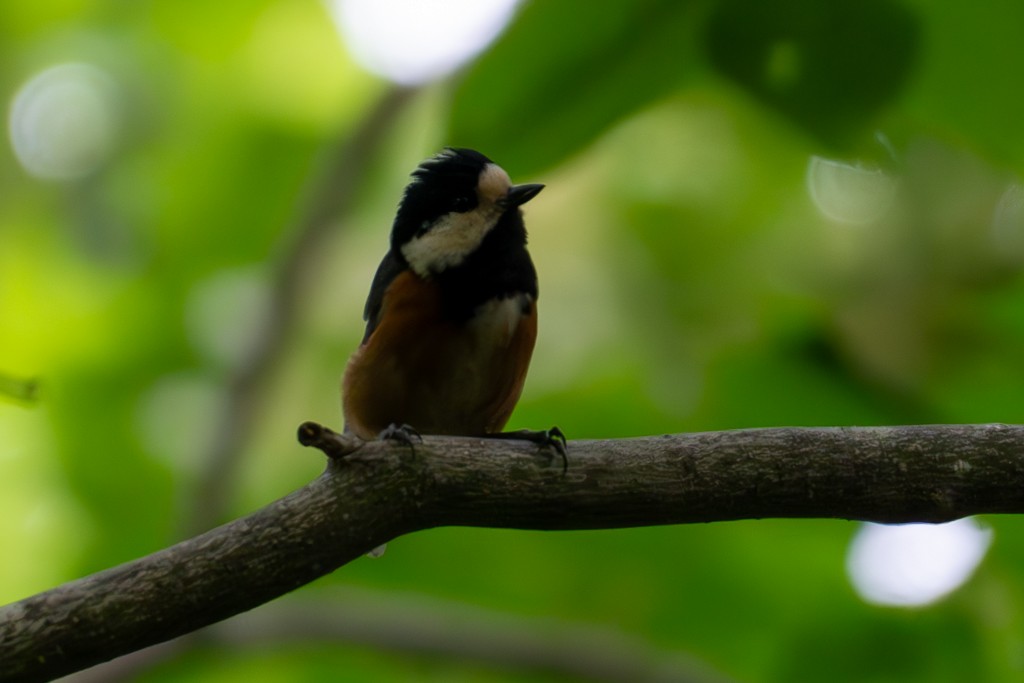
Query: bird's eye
x=462, y=204
x=424, y=228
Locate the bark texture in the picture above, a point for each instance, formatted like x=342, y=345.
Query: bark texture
x=371, y=493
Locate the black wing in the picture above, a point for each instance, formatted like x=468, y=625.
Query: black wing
x=387, y=271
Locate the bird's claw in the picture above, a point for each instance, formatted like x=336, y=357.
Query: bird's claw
x=402, y=433
x=552, y=438
x=555, y=438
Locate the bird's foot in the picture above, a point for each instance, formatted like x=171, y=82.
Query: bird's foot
x=552, y=438
x=402, y=433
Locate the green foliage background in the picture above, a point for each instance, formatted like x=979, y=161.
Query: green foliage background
x=688, y=283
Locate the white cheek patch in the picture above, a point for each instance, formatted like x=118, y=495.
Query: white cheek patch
x=453, y=237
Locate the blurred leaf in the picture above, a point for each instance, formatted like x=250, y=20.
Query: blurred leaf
x=795, y=382
x=828, y=66
x=565, y=71
x=884, y=647
x=968, y=85
x=18, y=389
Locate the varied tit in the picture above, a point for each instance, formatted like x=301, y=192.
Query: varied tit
x=451, y=318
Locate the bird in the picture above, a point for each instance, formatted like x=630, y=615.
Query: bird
x=451, y=317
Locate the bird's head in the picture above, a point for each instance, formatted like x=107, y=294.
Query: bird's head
x=453, y=202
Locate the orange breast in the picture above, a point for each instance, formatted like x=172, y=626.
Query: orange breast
x=438, y=376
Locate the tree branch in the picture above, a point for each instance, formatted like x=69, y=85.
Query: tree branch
x=382, y=490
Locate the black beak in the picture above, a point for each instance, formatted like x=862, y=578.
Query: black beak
x=520, y=194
